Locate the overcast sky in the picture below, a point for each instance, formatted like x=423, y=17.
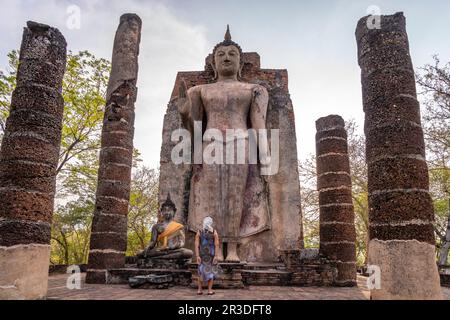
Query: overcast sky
x=314, y=41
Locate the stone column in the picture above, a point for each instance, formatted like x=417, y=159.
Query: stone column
x=401, y=214
x=109, y=226
x=337, y=218
x=28, y=161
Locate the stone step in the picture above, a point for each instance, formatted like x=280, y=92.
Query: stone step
x=264, y=266
x=266, y=277
x=268, y=271
x=121, y=275
x=445, y=276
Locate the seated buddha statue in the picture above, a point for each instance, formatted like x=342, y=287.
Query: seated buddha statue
x=167, y=239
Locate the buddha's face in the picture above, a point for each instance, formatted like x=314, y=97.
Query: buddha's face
x=227, y=60
x=167, y=213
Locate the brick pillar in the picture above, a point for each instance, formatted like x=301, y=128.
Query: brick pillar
x=337, y=219
x=28, y=162
x=400, y=208
x=109, y=226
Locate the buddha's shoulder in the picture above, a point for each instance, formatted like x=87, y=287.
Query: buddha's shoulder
x=204, y=88
x=252, y=86
x=258, y=87
x=245, y=85
x=198, y=89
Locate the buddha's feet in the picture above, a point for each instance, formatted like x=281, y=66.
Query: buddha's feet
x=219, y=256
x=232, y=258
x=232, y=255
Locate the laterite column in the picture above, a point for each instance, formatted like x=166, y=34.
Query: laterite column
x=401, y=214
x=109, y=226
x=337, y=218
x=28, y=161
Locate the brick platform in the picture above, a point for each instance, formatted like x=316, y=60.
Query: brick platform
x=58, y=291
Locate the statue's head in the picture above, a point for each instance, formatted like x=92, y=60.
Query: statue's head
x=168, y=209
x=227, y=57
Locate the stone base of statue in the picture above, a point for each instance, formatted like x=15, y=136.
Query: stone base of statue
x=307, y=267
x=444, y=273
x=178, y=277
x=230, y=275
x=165, y=259
x=301, y=268
x=151, y=281
x=155, y=263
x=147, y=268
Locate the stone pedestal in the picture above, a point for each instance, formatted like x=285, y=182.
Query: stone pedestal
x=444, y=274
x=155, y=263
x=122, y=275
x=407, y=271
x=229, y=278
x=307, y=267
x=151, y=281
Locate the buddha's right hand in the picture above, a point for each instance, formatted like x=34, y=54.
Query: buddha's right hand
x=199, y=260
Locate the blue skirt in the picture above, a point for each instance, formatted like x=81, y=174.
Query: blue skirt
x=207, y=271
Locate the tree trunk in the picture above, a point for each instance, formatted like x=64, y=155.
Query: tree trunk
x=66, y=248
x=366, y=256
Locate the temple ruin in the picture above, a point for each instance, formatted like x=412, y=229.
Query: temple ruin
x=269, y=236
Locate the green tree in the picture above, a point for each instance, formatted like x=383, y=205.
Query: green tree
x=434, y=82
x=358, y=172
x=7, y=85
x=70, y=232
x=83, y=89
x=143, y=209
x=310, y=201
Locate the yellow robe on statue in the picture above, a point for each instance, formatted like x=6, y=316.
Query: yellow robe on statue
x=171, y=230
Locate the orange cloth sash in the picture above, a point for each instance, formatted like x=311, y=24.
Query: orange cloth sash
x=171, y=228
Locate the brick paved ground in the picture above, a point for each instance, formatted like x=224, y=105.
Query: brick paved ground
x=58, y=290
